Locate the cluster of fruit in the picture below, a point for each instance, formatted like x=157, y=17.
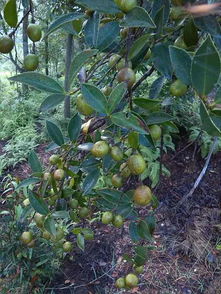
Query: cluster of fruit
x=31, y=61
x=131, y=280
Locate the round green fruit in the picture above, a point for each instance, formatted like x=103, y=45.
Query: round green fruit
x=122, y=64
x=114, y=59
x=155, y=132
x=136, y=164
x=84, y=212
x=120, y=283
x=6, y=44
x=117, y=181
x=83, y=107
x=59, y=174
x=142, y=195
x=124, y=33
x=131, y=280
x=126, y=5
x=47, y=176
x=54, y=159
x=59, y=234
x=116, y=153
x=31, y=62
x=127, y=75
x=46, y=235
x=34, y=32
x=100, y=149
x=107, y=217
x=73, y=203
x=39, y=219
x=178, y=88
x=67, y=246
x=124, y=170
x=139, y=269
x=26, y=237
x=118, y=221
x=88, y=234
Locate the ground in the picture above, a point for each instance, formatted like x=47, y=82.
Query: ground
x=185, y=260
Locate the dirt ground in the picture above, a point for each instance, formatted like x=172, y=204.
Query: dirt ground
x=185, y=260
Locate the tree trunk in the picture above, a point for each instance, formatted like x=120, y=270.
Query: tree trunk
x=69, y=48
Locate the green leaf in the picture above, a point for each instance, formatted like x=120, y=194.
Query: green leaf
x=37, y=203
x=38, y=81
x=10, y=13
x=91, y=30
x=156, y=8
x=161, y=59
x=138, y=17
x=94, y=97
x=55, y=133
x=34, y=162
x=63, y=19
x=78, y=61
x=144, y=231
x=107, y=6
x=51, y=102
x=90, y=181
x=133, y=231
x=156, y=87
x=74, y=127
x=159, y=20
x=158, y=118
x=80, y=241
x=116, y=96
x=181, y=63
x=129, y=121
x=207, y=123
x=61, y=214
x=133, y=140
x=151, y=221
x=141, y=255
x=149, y=104
x=205, y=69
x=107, y=35
x=139, y=48
x=28, y=182
x=218, y=96
x=49, y=225
x=190, y=33
x=110, y=195
x=209, y=24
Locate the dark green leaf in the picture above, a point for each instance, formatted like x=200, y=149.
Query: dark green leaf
x=138, y=17
x=91, y=30
x=190, y=33
x=55, y=133
x=61, y=214
x=49, y=225
x=116, y=96
x=90, y=181
x=51, y=102
x=80, y=241
x=157, y=6
x=107, y=6
x=207, y=123
x=149, y=104
x=109, y=195
x=218, y=96
x=161, y=59
x=95, y=98
x=156, y=87
x=74, y=127
x=107, y=35
x=10, y=13
x=181, y=62
x=144, y=231
x=151, y=221
x=38, y=81
x=209, y=24
x=34, y=162
x=38, y=203
x=205, y=70
x=28, y=182
x=139, y=48
x=133, y=231
x=141, y=255
x=158, y=118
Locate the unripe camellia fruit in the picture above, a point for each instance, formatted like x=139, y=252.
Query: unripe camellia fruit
x=122, y=64
x=178, y=88
x=114, y=59
x=127, y=75
x=116, y=153
x=83, y=107
x=100, y=149
x=54, y=159
x=118, y=221
x=6, y=44
x=117, y=181
x=59, y=234
x=136, y=164
x=155, y=132
x=39, y=219
x=74, y=203
x=46, y=235
x=142, y=195
x=67, y=246
x=59, y=174
x=139, y=269
x=26, y=237
x=131, y=280
x=46, y=176
x=126, y=5
x=31, y=62
x=124, y=170
x=120, y=283
x=124, y=33
x=84, y=212
x=88, y=234
x=107, y=217
x=34, y=32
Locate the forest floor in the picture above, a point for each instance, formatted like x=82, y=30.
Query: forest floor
x=185, y=260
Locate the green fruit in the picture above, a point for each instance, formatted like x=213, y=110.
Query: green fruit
x=124, y=170
x=178, y=88
x=34, y=32
x=124, y=33
x=88, y=234
x=142, y=195
x=54, y=159
x=131, y=280
x=118, y=221
x=84, y=212
x=59, y=174
x=73, y=203
x=73, y=216
x=100, y=149
x=155, y=132
x=31, y=62
x=31, y=244
x=139, y=269
x=59, y=234
x=122, y=64
x=126, y=75
x=120, y=283
x=136, y=164
x=67, y=246
x=114, y=59
x=117, y=181
x=26, y=237
x=83, y=107
x=26, y=202
x=6, y=44
x=39, y=219
x=179, y=42
x=116, y=153
x=126, y=5
x=106, y=90
x=107, y=217
x=47, y=176
x=133, y=139
x=46, y=235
